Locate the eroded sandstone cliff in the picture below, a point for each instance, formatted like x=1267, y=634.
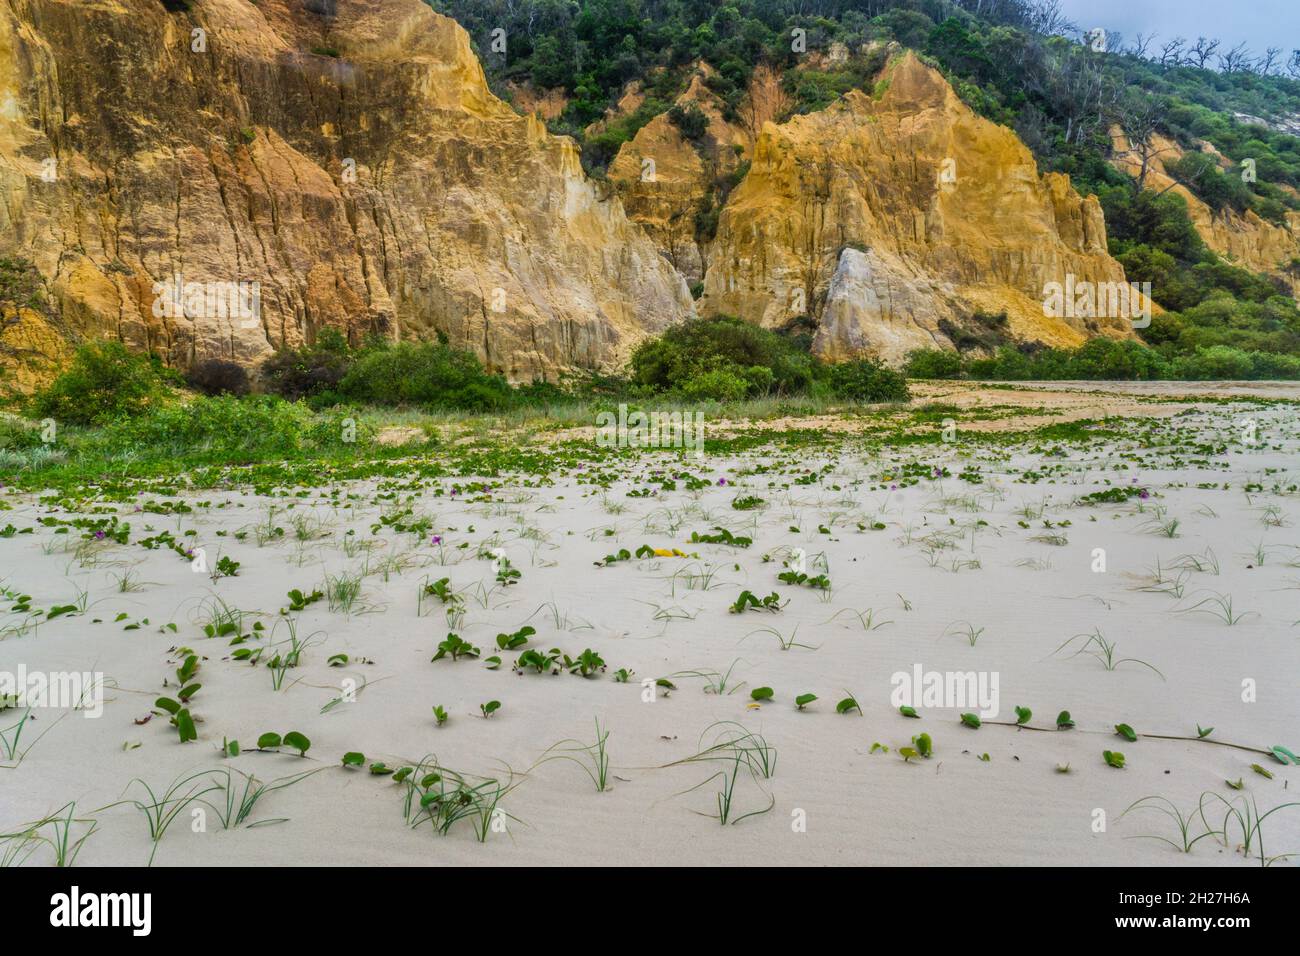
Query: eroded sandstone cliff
x=1243, y=238
x=345, y=155
x=666, y=180
x=892, y=218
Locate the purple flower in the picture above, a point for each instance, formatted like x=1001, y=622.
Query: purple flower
x=893, y=487
x=437, y=539
x=721, y=482
x=1144, y=494
x=99, y=536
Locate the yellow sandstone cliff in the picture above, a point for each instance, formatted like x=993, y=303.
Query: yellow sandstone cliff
x=665, y=179
x=345, y=155
x=893, y=216
x=1243, y=238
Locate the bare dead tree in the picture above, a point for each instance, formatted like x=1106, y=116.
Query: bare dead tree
x=1235, y=60
x=1269, y=62
x=1047, y=17
x=1201, y=52
x=1079, y=87
x=1138, y=115
x=1171, y=51
x=1141, y=44
x=1293, y=65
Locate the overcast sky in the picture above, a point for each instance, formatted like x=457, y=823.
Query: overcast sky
x=1260, y=23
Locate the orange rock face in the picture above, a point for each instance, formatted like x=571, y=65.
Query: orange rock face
x=891, y=218
x=664, y=179
x=346, y=156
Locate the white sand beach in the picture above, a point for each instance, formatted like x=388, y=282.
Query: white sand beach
x=975, y=556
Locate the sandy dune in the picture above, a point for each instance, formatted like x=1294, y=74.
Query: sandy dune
x=985, y=564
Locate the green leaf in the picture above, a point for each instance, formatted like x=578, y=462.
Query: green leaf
x=1237, y=784
x=167, y=704
x=1022, y=715
x=803, y=700
x=1261, y=771
x=1203, y=732
x=846, y=705
x=1125, y=731
x=353, y=759
x=907, y=753
x=907, y=711
x=971, y=720
x=1282, y=755
x=185, y=726
x=297, y=741
x=490, y=708
x=761, y=693
x=1064, y=721
x=268, y=741
x=923, y=744
x=1113, y=758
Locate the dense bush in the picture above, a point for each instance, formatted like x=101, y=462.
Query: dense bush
x=426, y=375
x=717, y=385
x=690, y=120
x=103, y=383
x=867, y=380
x=308, y=371
x=1203, y=175
x=218, y=377
x=766, y=362
x=932, y=363
x=1110, y=359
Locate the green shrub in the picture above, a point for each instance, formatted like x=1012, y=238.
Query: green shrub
x=932, y=363
x=308, y=371
x=223, y=426
x=428, y=375
x=103, y=383
x=687, y=351
x=234, y=430
x=216, y=376
x=1203, y=175
x=720, y=385
x=690, y=120
x=18, y=434
x=868, y=380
